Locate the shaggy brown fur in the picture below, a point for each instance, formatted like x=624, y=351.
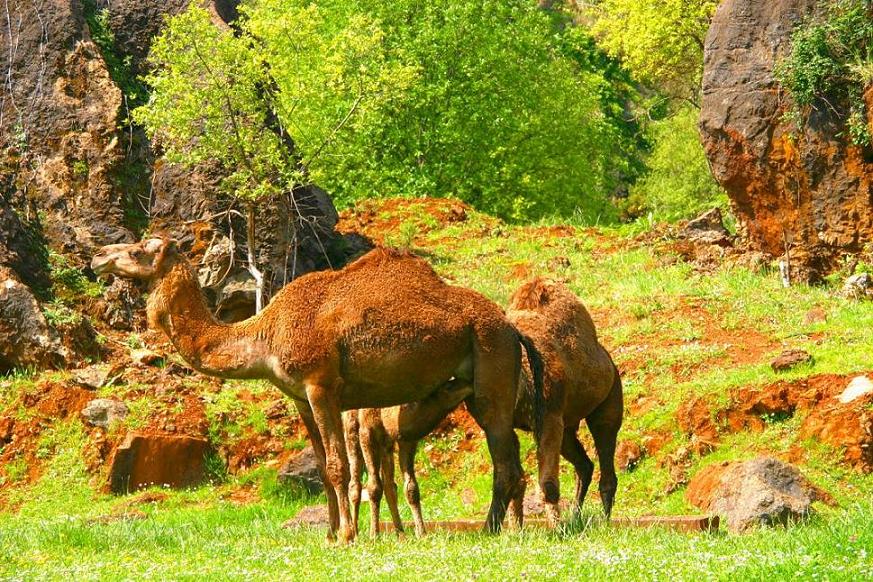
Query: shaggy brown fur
x=386, y=330
x=581, y=382
x=371, y=435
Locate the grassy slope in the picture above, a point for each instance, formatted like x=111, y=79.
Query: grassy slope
x=656, y=315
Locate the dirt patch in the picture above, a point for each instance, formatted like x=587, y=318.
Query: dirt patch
x=848, y=426
x=383, y=221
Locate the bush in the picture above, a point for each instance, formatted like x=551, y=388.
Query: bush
x=831, y=63
x=679, y=183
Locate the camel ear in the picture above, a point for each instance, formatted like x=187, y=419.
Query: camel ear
x=153, y=245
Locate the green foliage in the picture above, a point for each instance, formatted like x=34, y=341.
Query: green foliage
x=679, y=183
x=68, y=282
x=395, y=99
x=208, y=104
x=659, y=41
x=831, y=63
x=119, y=67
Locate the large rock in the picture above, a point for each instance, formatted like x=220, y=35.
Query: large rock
x=763, y=491
x=20, y=247
x=302, y=471
x=26, y=338
x=103, y=412
x=811, y=190
x=59, y=138
x=157, y=460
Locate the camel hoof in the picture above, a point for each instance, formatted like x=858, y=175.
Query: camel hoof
x=551, y=493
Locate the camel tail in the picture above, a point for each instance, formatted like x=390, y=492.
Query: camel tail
x=536, y=395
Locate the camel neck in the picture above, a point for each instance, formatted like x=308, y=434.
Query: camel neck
x=178, y=307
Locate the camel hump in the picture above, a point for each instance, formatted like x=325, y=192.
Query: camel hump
x=533, y=295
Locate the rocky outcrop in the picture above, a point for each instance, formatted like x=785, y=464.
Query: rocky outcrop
x=808, y=190
x=59, y=140
x=26, y=339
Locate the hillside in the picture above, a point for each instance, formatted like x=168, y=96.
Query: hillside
x=692, y=326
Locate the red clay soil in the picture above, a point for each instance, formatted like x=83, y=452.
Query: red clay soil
x=378, y=219
x=20, y=438
x=846, y=426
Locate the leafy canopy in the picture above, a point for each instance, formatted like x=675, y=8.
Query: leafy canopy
x=659, y=41
x=483, y=100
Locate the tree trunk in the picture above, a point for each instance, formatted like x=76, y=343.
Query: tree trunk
x=252, y=257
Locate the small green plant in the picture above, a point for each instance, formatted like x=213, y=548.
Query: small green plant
x=57, y=314
x=16, y=470
x=134, y=342
x=80, y=169
x=69, y=283
x=215, y=467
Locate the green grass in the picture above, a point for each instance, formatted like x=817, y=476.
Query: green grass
x=220, y=541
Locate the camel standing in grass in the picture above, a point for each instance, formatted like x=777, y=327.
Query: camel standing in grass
x=383, y=331
x=581, y=382
x=371, y=435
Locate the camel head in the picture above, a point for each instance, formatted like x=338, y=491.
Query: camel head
x=143, y=260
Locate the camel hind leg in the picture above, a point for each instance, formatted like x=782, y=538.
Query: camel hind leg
x=374, y=456
x=574, y=452
x=406, y=456
x=604, y=423
x=497, y=363
x=548, y=462
x=353, y=450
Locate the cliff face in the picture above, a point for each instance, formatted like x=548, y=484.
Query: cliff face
x=74, y=172
x=807, y=190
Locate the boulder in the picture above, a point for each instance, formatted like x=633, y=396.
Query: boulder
x=146, y=460
x=96, y=377
x=810, y=188
x=302, y=471
x=708, y=228
x=309, y=516
x=790, y=359
x=628, y=455
x=26, y=338
x=859, y=286
x=763, y=491
x=103, y=412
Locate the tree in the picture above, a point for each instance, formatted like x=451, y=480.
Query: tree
x=473, y=99
x=207, y=104
x=659, y=41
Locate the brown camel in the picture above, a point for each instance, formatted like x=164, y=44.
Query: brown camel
x=371, y=435
x=581, y=382
x=383, y=331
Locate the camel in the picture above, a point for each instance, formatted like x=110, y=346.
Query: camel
x=581, y=382
x=569, y=377
x=383, y=331
x=371, y=435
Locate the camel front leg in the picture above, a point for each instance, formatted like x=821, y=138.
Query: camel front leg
x=390, y=486
x=328, y=417
x=306, y=414
x=406, y=455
